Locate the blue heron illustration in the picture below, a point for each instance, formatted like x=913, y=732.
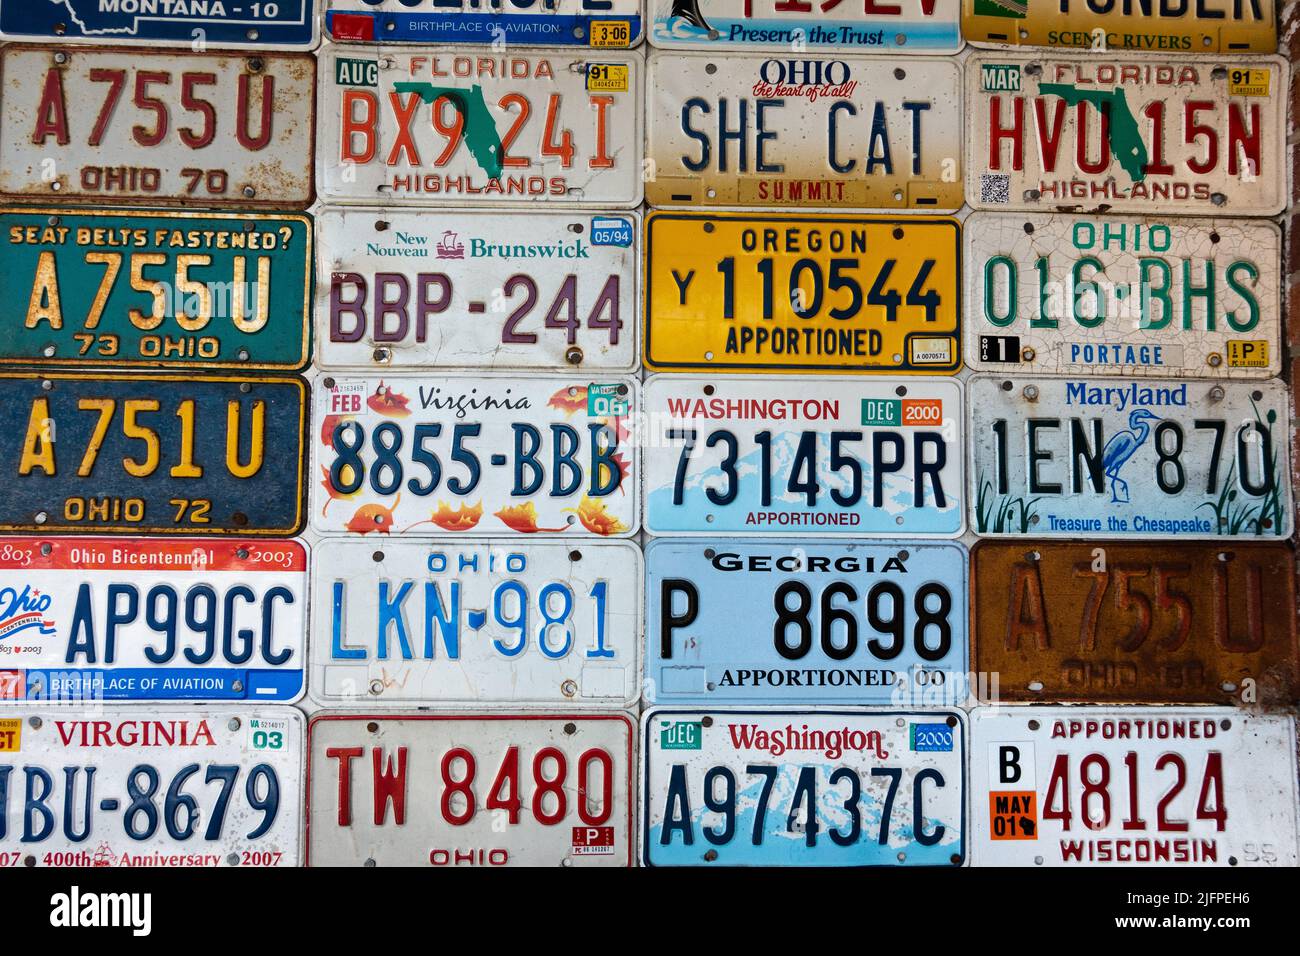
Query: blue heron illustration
x=1121, y=447
x=689, y=10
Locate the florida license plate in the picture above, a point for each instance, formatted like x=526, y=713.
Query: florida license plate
x=277, y=25
x=595, y=23
x=813, y=787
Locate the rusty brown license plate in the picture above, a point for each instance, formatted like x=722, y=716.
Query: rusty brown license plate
x=1136, y=623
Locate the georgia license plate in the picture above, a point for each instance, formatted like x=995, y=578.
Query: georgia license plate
x=472, y=790
x=595, y=23
x=1089, y=786
x=810, y=787
x=439, y=453
x=152, y=455
x=112, y=786
x=1065, y=295
x=856, y=132
x=755, y=456
x=1129, y=458
x=429, y=127
x=504, y=290
x=278, y=25
x=95, y=125
x=833, y=623
x=1163, y=623
x=1126, y=134
x=802, y=293
x=163, y=290
x=470, y=621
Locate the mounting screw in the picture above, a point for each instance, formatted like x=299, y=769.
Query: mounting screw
x=1214, y=359
x=1027, y=355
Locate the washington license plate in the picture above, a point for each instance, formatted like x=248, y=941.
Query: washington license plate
x=277, y=25
x=596, y=23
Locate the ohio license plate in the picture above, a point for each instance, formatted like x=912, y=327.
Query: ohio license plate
x=171, y=787
x=802, y=293
x=759, y=622
x=854, y=132
x=478, y=290
x=1132, y=786
x=1123, y=296
x=1169, y=623
x=429, y=127
x=837, y=455
x=496, y=455
x=477, y=622
x=1126, y=134
x=1129, y=458
x=470, y=791
x=163, y=290
x=145, y=455
x=812, y=787
x=95, y=125
x=596, y=23
x=281, y=25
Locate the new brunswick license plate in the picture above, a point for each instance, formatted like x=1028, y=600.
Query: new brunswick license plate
x=1126, y=134
x=756, y=456
x=802, y=293
x=812, y=787
x=145, y=455
x=1132, y=786
x=163, y=290
x=596, y=23
x=1154, y=296
x=770, y=622
x=1129, y=458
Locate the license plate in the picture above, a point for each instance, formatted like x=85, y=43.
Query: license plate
x=152, y=455
x=1129, y=458
x=478, y=290
x=1167, y=623
x=1123, y=296
x=595, y=23
x=754, y=456
x=282, y=25
x=1132, y=786
x=855, y=132
x=812, y=787
x=805, y=293
x=477, y=622
x=1126, y=134
x=163, y=290
x=470, y=791
x=419, y=127
x=490, y=454
x=176, y=787
x=766, y=622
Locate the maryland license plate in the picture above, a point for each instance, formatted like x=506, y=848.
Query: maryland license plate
x=1129, y=458
x=1112, y=133
x=595, y=23
x=1121, y=296
x=276, y=25
x=802, y=293
x=801, y=132
x=811, y=787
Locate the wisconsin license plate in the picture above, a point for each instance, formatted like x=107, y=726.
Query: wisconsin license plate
x=148, y=455
x=175, y=787
x=802, y=293
x=94, y=125
x=1123, y=296
x=815, y=787
x=1126, y=134
x=282, y=25
x=473, y=790
x=1129, y=458
x=756, y=456
x=856, y=132
x=1132, y=786
x=596, y=23
x=478, y=290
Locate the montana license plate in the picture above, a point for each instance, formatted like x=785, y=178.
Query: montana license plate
x=595, y=23
x=275, y=25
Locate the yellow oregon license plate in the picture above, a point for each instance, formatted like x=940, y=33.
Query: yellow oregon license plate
x=742, y=292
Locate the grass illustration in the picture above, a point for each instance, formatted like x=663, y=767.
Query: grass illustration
x=998, y=514
x=1263, y=517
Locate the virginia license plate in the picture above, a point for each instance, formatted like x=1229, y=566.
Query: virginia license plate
x=93, y=125
x=1126, y=134
x=149, y=455
x=1129, y=458
x=278, y=25
x=173, y=787
x=1132, y=786
x=474, y=790
x=802, y=293
x=478, y=290
x=812, y=787
x=596, y=23
x=855, y=132
x=1123, y=296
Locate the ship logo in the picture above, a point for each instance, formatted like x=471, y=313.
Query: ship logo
x=450, y=246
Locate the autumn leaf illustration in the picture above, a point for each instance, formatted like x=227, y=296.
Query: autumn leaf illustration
x=569, y=400
x=327, y=427
x=522, y=518
x=346, y=474
x=461, y=519
x=373, y=518
x=596, y=519
x=387, y=402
